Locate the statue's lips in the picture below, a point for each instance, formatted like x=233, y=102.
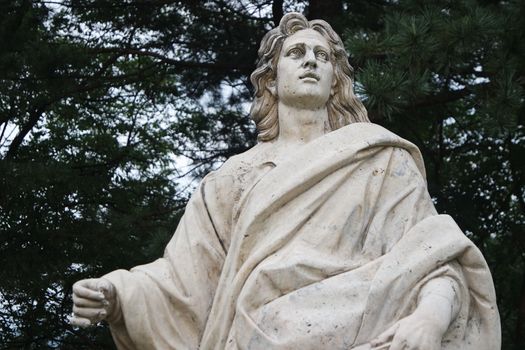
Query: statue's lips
x=310, y=76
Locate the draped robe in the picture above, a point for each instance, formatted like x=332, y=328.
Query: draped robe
x=323, y=249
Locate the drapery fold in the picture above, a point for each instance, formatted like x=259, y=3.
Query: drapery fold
x=325, y=248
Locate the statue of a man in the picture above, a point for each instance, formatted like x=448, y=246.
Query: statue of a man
x=322, y=236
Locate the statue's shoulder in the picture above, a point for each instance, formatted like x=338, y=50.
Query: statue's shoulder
x=365, y=135
x=242, y=162
x=369, y=135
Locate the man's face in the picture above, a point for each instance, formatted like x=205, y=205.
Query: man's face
x=305, y=70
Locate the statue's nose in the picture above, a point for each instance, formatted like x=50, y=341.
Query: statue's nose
x=309, y=59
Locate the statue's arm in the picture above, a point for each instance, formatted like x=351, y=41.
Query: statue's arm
x=438, y=301
x=437, y=306
x=164, y=304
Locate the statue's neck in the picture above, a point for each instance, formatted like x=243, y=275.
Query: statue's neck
x=299, y=126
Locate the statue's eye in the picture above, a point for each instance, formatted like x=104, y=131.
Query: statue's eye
x=322, y=55
x=295, y=52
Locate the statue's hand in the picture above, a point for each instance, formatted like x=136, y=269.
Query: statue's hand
x=94, y=300
x=414, y=332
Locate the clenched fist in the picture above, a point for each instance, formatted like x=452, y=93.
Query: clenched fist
x=94, y=300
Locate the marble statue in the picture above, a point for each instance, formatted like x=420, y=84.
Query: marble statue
x=322, y=236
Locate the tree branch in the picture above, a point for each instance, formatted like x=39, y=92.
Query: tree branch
x=277, y=11
x=174, y=62
x=442, y=98
x=26, y=128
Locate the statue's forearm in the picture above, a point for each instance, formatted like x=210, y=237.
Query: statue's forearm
x=438, y=300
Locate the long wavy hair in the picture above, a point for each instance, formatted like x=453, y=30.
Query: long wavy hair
x=343, y=106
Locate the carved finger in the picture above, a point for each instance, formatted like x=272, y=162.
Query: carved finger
x=79, y=321
x=386, y=336
x=400, y=343
x=106, y=288
x=362, y=347
x=87, y=293
x=384, y=346
x=91, y=283
x=83, y=302
x=103, y=285
x=93, y=314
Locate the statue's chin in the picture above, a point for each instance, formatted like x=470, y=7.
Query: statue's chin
x=310, y=100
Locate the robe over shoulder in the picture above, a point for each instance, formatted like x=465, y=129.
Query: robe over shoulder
x=323, y=250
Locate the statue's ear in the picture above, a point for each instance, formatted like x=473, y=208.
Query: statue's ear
x=272, y=86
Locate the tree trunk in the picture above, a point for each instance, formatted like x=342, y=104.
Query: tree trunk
x=520, y=323
x=277, y=11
